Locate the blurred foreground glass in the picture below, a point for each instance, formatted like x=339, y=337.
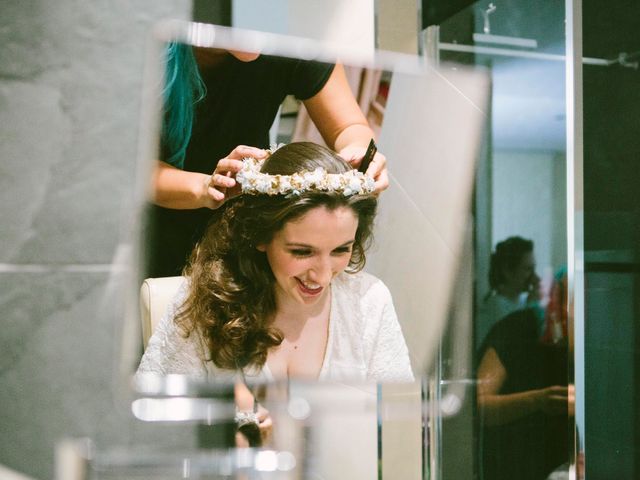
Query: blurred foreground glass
x=429, y=125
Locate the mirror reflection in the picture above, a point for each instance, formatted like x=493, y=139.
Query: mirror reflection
x=254, y=281
x=271, y=242
x=274, y=287
x=522, y=419
x=262, y=249
x=522, y=393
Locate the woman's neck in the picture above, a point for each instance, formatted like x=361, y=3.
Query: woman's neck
x=292, y=316
x=512, y=294
x=209, y=57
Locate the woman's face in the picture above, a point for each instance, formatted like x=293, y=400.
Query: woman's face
x=308, y=252
x=523, y=278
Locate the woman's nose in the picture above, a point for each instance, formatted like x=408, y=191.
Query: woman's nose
x=321, y=271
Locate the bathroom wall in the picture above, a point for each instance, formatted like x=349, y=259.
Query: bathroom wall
x=612, y=234
x=70, y=90
x=529, y=200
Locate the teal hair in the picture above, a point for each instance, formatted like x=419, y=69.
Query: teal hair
x=183, y=89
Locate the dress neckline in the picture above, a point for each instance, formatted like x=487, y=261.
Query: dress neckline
x=328, y=351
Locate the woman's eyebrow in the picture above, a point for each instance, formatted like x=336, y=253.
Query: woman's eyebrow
x=297, y=244
x=346, y=244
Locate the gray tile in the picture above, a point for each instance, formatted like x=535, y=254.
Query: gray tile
x=35, y=134
x=57, y=370
x=52, y=363
x=70, y=97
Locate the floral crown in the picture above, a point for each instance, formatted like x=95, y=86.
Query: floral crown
x=254, y=182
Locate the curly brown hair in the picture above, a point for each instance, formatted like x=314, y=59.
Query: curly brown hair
x=231, y=299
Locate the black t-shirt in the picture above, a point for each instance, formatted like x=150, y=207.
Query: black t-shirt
x=533, y=446
x=240, y=105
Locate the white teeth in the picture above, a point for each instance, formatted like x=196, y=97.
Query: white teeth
x=310, y=286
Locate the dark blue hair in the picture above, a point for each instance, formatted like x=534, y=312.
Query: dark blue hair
x=183, y=89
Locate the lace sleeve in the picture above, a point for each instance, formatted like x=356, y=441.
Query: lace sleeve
x=389, y=357
x=168, y=350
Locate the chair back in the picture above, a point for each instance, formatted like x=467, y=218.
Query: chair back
x=155, y=295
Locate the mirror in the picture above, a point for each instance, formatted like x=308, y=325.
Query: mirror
x=521, y=378
x=427, y=122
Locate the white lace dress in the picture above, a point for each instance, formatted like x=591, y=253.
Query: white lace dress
x=365, y=340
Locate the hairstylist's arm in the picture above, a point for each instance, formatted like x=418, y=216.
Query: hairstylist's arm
x=182, y=190
x=500, y=409
x=343, y=126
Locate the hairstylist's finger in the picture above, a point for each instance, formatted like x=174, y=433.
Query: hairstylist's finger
x=377, y=165
x=352, y=156
x=224, y=181
x=378, y=171
x=266, y=426
x=242, y=151
x=216, y=194
x=262, y=413
x=381, y=182
x=265, y=422
x=228, y=165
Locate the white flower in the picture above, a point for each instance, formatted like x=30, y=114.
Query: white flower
x=334, y=182
x=355, y=184
x=369, y=184
x=316, y=177
x=284, y=185
x=263, y=184
x=253, y=181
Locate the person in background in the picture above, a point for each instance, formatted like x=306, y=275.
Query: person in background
x=523, y=396
x=514, y=284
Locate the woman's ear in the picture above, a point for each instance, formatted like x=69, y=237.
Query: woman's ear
x=262, y=247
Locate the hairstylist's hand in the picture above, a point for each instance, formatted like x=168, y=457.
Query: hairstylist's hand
x=221, y=185
x=266, y=423
x=377, y=168
x=255, y=436
x=252, y=435
x=553, y=400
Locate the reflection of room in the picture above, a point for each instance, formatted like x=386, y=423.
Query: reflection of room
x=527, y=166
x=71, y=89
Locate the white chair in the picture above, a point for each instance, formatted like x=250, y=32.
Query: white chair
x=155, y=295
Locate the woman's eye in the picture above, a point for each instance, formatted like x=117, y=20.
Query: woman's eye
x=342, y=250
x=300, y=253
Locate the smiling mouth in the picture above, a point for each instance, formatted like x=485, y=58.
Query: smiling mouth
x=309, y=288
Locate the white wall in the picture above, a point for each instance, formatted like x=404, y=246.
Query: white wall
x=348, y=24
x=529, y=200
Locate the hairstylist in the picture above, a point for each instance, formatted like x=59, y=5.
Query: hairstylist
x=219, y=106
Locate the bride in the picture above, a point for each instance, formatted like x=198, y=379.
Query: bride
x=275, y=288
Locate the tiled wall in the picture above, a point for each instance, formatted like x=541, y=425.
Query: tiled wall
x=70, y=90
x=611, y=358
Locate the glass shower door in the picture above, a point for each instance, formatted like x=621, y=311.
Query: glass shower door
x=516, y=418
